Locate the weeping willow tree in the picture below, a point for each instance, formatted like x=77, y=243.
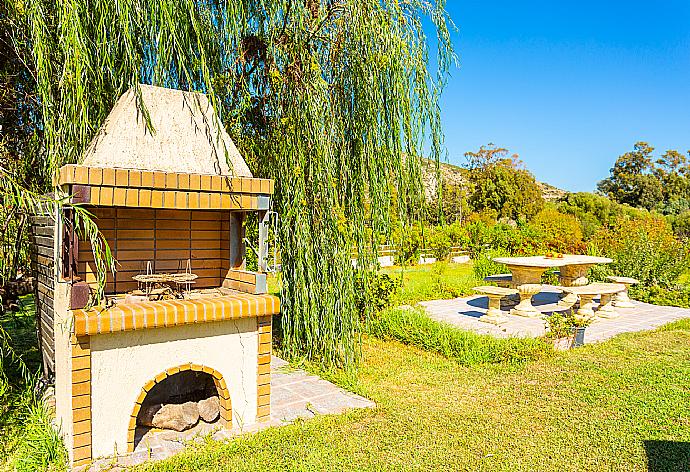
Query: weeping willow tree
x=334, y=99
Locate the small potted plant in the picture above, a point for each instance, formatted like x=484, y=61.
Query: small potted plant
x=566, y=330
x=578, y=330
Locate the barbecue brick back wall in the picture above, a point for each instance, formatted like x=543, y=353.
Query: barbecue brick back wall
x=167, y=238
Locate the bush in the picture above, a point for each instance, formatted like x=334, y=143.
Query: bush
x=521, y=240
x=458, y=235
x=501, y=240
x=440, y=243
x=478, y=236
x=408, y=244
x=558, y=231
x=589, y=224
x=645, y=249
x=415, y=328
x=561, y=325
x=681, y=225
x=596, y=211
x=484, y=265
x=374, y=293
x=678, y=295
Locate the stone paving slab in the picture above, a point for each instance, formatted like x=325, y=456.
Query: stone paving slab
x=465, y=312
x=294, y=394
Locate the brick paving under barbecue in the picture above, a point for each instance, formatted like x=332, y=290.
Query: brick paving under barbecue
x=465, y=312
x=294, y=394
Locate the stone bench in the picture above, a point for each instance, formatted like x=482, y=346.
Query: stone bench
x=622, y=300
x=587, y=294
x=494, y=315
x=502, y=280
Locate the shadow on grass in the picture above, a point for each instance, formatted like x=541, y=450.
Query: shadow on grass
x=667, y=456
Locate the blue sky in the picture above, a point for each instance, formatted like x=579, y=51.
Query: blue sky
x=568, y=85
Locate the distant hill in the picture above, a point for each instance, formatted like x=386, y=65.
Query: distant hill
x=458, y=176
x=551, y=193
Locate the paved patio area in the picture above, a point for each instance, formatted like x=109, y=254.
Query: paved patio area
x=465, y=312
x=294, y=394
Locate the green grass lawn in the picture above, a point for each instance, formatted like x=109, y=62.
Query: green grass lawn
x=437, y=281
x=619, y=405
x=434, y=282
x=27, y=443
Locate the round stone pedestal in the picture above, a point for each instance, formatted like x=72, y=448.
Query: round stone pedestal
x=606, y=307
x=572, y=276
x=622, y=299
x=525, y=307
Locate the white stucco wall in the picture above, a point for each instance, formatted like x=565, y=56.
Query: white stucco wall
x=122, y=363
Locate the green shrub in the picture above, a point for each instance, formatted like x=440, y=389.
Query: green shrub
x=439, y=242
x=415, y=328
x=595, y=211
x=484, y=265
x=478, y=236
x=519, y=240
x=644, y=248
x=677, y=295
x=408, y=244
x=558, y=231
x=681, y=224
x=561, y=325
x=457, y=233
x=376, y=292
x=589, y=225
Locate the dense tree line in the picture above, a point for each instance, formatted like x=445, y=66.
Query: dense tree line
x=640, y=179
x=496, y=185
x=659, y=183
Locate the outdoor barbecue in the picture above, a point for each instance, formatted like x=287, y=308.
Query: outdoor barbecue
x=184, y=333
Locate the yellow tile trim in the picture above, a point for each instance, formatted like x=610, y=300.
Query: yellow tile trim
x=147, y=179
x=82, y=455
x=95, y=176
x=134, y=178
x=264, y=326
x=169, y=199
x=81, y=395
x=263, y=413
x=152, y=314
x=81, y=414
x=108, y=177
x=121, y=177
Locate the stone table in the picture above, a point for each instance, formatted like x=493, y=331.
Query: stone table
x=527, y=271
